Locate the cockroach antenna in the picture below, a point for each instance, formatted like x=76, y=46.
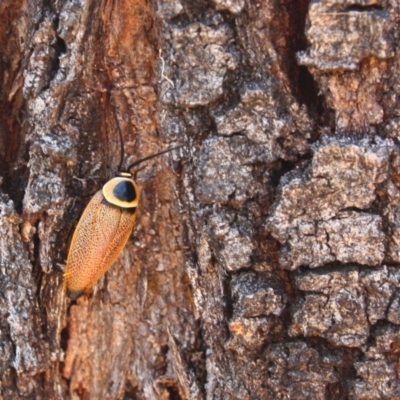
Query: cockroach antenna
x=138, y=162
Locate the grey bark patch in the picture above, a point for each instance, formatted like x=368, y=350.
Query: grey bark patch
x=341, y=37
x=334, y=308
x=298, y=371
x=22, y=348
x=168, y=9
x=235, y=242
x=377, y=379
x=350, y=237
x=382, y=288
x=257, y=295
x=200, y=63
x=233, y=6
x=223, y=174
x=262, y=117
x=309, y=212
x=342, y=305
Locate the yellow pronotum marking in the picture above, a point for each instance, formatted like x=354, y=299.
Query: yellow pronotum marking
x=110, y=197
x=99, y=238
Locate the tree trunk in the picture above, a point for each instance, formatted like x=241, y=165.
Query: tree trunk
x=264, y=259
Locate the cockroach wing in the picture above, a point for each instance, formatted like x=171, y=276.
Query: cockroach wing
x=99, y=238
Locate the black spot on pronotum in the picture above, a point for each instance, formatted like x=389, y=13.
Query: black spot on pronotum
x=125, y=191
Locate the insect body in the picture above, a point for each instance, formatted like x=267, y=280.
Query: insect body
x=102, y=231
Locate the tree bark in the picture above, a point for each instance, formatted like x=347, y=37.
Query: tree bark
x=264, y=263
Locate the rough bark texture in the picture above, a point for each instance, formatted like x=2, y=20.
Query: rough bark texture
x=264, y=260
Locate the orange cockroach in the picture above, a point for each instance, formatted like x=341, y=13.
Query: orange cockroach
x=103, y=229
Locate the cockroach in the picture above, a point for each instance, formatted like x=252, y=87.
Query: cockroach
x=103, y=229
